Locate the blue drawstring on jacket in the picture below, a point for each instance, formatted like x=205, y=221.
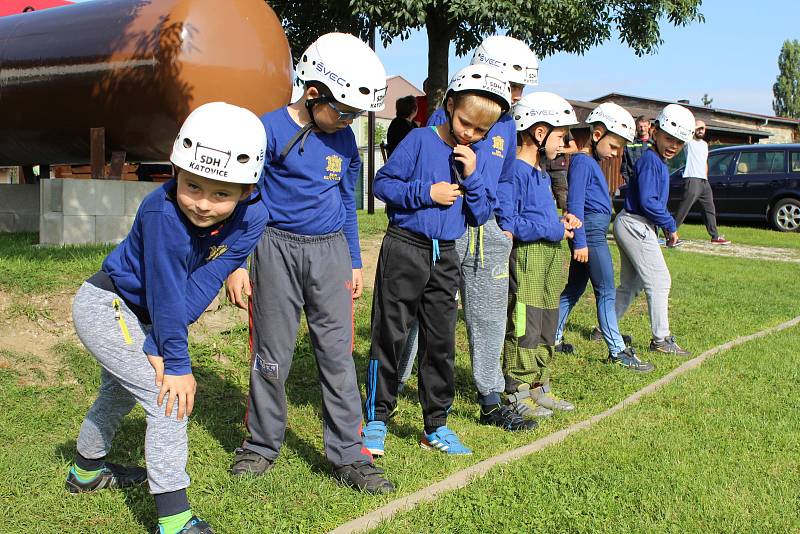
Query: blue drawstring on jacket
x=435, y=252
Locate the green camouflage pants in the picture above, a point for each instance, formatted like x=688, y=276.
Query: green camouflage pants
x=537, y=276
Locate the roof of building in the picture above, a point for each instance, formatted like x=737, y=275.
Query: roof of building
x=707, y=109
x=582, y=109
x=397, y=87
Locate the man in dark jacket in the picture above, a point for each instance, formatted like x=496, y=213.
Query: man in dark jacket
x=634, y=150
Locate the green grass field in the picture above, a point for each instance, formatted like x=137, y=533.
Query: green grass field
x=713, y=300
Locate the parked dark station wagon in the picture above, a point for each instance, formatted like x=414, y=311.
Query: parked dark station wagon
x=750, y=182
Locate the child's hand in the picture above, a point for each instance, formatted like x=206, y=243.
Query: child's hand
x=672, y=239
x=568, y=234
x=445, y=193
x=508, y=234
x=467, y=157
x=581, y=255
x=358, y=283
x=238, y=282
x=180, y=387
x=572, y=222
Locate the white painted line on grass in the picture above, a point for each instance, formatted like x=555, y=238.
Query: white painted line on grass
x=461, y=478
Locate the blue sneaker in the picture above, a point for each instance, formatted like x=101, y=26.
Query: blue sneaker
x=374, y=435
x=445, y=440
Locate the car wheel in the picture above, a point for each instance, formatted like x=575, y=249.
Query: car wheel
x=785, y=215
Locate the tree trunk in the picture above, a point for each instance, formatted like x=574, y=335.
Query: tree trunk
x=440, y=32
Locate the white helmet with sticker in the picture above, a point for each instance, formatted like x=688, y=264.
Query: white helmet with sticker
x=543, y=107
x=513, y=57
x=348, y=67
x=481, y=79
x=222, y=142
x=677, y=121
x=615, y=118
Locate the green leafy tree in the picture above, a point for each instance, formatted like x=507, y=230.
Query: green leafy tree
x=548, y=26
x=787, y=85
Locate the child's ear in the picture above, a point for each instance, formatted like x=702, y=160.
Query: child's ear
x=450, y=105
x=539, y=133
x=311, y=92
x=246, y=191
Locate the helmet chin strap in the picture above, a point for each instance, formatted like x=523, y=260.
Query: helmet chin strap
x=541, y=146
x=304, y=132
x=595, y=155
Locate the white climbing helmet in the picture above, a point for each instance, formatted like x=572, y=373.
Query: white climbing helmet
x=222, y=142
x=483, y=80
x=513, y=57
x=615, y=118
x=677, y=121
x=543, y=107
x=348, y=67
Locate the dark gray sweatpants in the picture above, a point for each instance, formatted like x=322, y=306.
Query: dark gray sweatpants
x=291, y=273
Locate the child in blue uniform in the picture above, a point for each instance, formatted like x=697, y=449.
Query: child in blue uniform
x=642, y=264
x=309, y=259
x=433, y=186
x=537, y=258
x=133, y=314
x=588, y=200
x=483, y=250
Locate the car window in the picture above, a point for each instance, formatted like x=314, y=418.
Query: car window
x=719, y=164
x=794, y=162
x=761, y=162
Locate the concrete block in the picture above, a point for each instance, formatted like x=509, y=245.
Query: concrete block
x=135, y=193
x=109, y=197
x=112, y=228
x=50, y=192
x=17, y=198
x=78, y=229
x=79, y=197
x=26, y=222
x=7, y=222
x=51, y=228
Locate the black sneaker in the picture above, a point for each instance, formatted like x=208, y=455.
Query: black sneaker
x=564, y=348
x=597, y=335
x=247, y=462
x=112, y=476
x=365, y=477
x=194, y=526
x=628, y=359
x=668, y=346
x=505, y=418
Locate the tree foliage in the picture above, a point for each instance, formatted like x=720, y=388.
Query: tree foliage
x=548, y=26
x=786, y=89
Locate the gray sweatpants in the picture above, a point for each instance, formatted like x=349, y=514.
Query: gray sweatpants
x=483, y=255
x=127, y=378
x=293, y=273
x=642, y=266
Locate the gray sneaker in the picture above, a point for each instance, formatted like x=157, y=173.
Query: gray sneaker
x=628, y=359
x=668, y=346
x=523, y=404
x=247, y=462
x=542, y=396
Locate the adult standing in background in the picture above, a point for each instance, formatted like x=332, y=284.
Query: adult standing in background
x=405, y=111
x=557, y=169
x=696, y=186
x=422, y=105
x=634, y=150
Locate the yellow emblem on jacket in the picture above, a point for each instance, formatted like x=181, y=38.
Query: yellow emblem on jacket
x=498, y=146
x=334, y=168
x=215, y=251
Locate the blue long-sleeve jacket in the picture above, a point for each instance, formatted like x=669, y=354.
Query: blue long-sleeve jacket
x=404, y=183
x=313, y=192
x=500, y=151
x=173, y=269
x=648, y=191
x=588, y=192
x=534, y=216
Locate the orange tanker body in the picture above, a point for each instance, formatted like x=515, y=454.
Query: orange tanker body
x=136, y=68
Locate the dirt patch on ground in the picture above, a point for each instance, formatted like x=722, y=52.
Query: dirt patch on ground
x=370, y=249
x=743, y=251
x=29, y=328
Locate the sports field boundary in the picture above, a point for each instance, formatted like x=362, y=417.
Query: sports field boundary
x=462, y=478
